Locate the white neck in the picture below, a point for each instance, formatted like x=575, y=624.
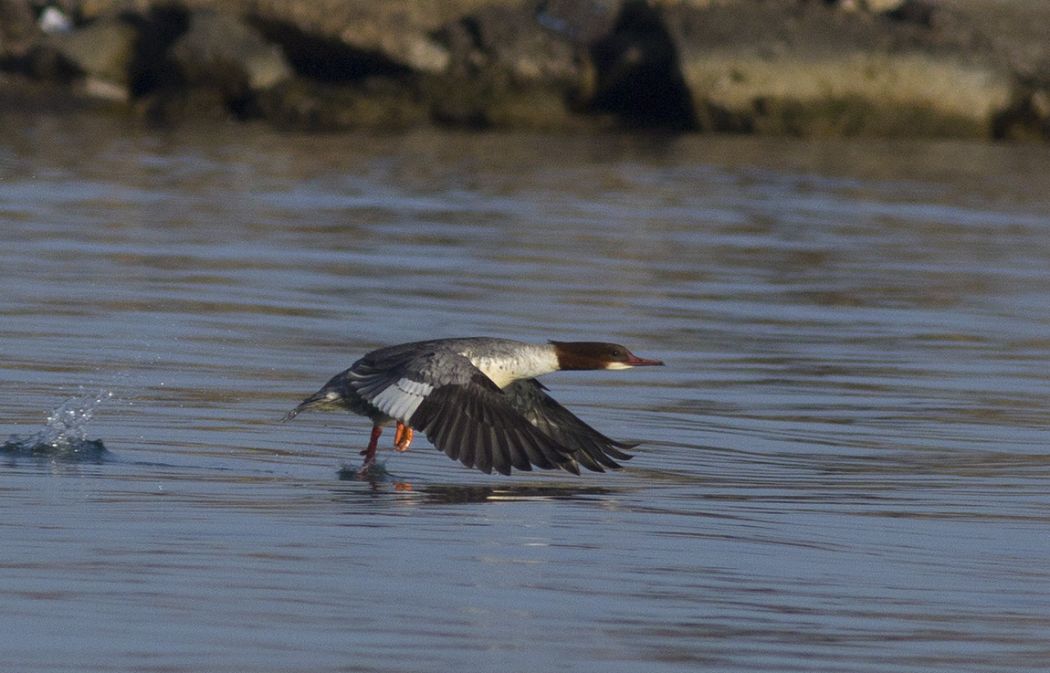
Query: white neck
x=524, y=362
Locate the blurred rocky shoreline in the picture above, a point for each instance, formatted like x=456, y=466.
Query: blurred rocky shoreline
x=922, y=68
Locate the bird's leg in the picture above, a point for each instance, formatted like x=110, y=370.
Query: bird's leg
x=402, y=437
x=370, y=452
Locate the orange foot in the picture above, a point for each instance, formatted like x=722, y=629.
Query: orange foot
x=402, y=437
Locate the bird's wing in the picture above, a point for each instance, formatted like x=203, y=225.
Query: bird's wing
x=590, y=448
x=459, y=409
x=393, y=381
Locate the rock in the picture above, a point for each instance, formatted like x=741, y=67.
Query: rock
x=99, y=58
x=394, y=31
x=781, y=68
x=305, y=105
x=873, y=6
x=580, y=22
x=1040, y=103
x=17, y=26
x=204, y=64
x=221, y=51
x=1028, y=115
x=54, y=20
x=505, y=70
x=104, y=50
x=512, y=40
x=805, y=67
x=398, y=32
x=635, y=73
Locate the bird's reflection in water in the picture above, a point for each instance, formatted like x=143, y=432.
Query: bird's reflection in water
x=380, y=481
x=451, y=493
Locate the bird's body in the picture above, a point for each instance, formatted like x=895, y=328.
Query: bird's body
x=478, y=400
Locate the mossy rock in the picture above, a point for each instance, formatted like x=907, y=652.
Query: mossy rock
x=307, y=105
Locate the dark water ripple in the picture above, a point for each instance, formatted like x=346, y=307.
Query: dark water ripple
x=843, y=468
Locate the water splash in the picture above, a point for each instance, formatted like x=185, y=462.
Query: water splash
x=64, y=436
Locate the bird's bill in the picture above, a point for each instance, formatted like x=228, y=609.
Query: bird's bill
x=635, y=361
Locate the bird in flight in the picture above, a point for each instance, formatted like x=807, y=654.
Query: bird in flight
x=478, y=400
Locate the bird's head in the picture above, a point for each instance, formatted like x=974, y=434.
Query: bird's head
x=597, y=355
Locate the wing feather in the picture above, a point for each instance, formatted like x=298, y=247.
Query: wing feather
x=589, y=447
x=499, y=439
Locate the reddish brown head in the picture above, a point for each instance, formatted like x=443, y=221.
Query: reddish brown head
x=597, y=355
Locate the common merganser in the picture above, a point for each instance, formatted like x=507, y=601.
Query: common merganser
x=477, y=399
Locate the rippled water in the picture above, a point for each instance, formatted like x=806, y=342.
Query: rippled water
x=845, y=467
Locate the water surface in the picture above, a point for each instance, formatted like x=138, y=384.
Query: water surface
x=845, y=463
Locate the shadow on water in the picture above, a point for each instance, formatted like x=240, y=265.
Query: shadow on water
x=462, y=494
x=382, y=482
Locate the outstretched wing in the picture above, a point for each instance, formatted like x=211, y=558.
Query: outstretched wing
x=590, y=448
x=461, y=411
x=475, y=425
